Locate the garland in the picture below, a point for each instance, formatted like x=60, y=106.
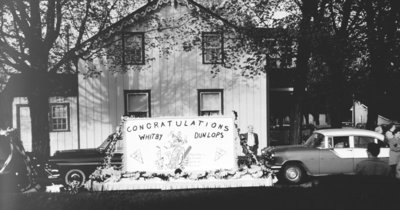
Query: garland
x=112, y=174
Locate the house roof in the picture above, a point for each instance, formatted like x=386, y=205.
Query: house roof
x=130, y=19
x=60, y=85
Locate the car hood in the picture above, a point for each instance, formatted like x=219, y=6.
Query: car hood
x=73, y=153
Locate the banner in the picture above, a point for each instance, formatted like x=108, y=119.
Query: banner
x=163, y=145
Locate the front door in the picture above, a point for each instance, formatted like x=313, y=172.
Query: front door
x=337, y=158
x=24, y=126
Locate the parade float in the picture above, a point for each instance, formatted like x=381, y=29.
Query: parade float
x=179, y=153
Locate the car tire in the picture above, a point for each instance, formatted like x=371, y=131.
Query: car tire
x=77, y=173
x=292, y=174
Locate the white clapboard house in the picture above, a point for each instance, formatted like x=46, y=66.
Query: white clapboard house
x=168, y=58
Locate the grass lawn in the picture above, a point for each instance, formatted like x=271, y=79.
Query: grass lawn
x=330, y=193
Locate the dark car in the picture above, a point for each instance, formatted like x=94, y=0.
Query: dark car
x=78, y=164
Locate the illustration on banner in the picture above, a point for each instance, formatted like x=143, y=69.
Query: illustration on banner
x=175, y=154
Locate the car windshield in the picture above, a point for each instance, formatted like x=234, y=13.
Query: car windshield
x=315, y=140
x=104, y=144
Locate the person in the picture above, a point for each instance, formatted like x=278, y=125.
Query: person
x=379, y=129
x=251, y=139
x=373, y=165
x=394, y=154
x=398, y=170
x=389, y=133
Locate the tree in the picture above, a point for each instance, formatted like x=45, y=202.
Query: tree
x=337, y=31
x=382, y=18
x=308, y=9
x=41, y=38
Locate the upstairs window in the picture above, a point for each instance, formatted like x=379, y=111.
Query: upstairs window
x=280, y=53
x=133, y=48
x=210, y=102
x=212, y=44
x=137, y=103
x=59, y=117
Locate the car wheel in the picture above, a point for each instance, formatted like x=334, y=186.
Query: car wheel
x=75, y=174
x=293, y=174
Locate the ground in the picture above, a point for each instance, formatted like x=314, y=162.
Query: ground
x=326, y=193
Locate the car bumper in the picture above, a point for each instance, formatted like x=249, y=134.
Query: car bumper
x=275, y=168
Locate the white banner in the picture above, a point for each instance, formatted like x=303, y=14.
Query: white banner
x=163, y=145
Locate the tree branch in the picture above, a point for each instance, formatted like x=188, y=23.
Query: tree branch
x=50, y=21
x=12, y=52
x=332, y=16
x=103, y=24
x=83, y=23
x=54, y=31
x=23, y=24
x=346, y=15
x=35, y=29
x=17, y=65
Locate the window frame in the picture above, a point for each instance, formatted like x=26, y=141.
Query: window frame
x=203, y=48
x=127, y=92
x=68, y=123
x=339, y=142
x=129, y=34
x=358, y=138
x=199, y=99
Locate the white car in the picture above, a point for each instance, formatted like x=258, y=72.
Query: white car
x=326, y=152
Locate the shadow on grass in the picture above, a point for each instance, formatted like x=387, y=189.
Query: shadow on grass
x=332, y=192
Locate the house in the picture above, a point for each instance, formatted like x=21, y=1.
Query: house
x=63, y=119
x=168, y=58
x=360, y=115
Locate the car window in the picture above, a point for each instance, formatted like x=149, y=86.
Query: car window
x=362, y=141
x=340, y=142
x=105, y=143
x=315, y=140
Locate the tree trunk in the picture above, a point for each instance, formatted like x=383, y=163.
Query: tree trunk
x=379, y=46
x=303, y=55
x=337, y=105
x=39, y=108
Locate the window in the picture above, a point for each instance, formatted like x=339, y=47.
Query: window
x=137, y=103
x=339, y=142
x=210, y=102
x=59, y=117
x=286, y=53
x=133, y=48
x=280, y=53
x=315, y=140
x=362, y=141
x=273, y=53
x=212, y=48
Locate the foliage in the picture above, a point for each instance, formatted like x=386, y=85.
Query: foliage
x=63, y=26
x=166, y=35
x=39, y=38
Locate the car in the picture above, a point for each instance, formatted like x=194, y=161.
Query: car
x=79, y=164
x=326, y=152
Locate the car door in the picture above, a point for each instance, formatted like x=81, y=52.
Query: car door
x=337, y=157
x=360, y=149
